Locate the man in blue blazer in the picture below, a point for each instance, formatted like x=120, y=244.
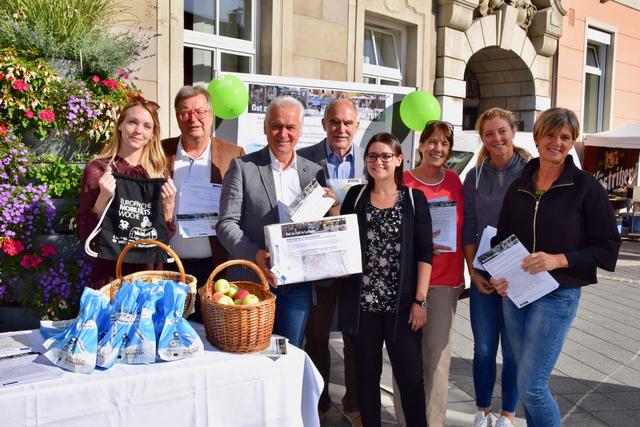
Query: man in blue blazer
x=253, y=188
x=340, y=159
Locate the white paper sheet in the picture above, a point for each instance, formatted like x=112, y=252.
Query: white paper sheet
x=505, y=261
x=198, y=209
x=12, y=343
x=314, y=250
x=342, y=186
x=309, y=205
x=485, y=244
x=26, y=368
x=443, y=223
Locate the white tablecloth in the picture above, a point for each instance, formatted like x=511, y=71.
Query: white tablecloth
x=215, y=389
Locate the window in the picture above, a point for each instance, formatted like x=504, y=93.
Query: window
x=219, y=35
x=597, y=81
x=382, y=55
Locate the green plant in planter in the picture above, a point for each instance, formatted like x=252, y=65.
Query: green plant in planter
x=72, y=29
x=32, y=274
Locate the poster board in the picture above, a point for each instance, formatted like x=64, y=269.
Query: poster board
x=615, y=168
x=378, y=110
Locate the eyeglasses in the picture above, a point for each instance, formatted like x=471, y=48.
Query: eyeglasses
x=186, y=115
x=385, y=157
x=150, y=104
x=438, y=123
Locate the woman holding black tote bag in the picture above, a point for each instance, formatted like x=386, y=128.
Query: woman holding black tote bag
x=124, y=196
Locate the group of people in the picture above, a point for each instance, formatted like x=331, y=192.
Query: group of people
x=406, y=296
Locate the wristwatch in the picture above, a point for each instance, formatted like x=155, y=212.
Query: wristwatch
x=423, y=304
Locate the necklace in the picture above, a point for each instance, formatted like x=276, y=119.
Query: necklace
x=434, y=184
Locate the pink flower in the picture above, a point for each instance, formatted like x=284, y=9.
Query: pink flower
x=20, y=85
x=28, y=114
x=1, y=76
x=30, y=261
x=47, y=115
x=48, y=250
x=123, y=74
x=110, y=84
x=12, y=247
x=96, y=79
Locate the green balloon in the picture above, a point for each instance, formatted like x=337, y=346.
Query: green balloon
x=419, y=108
x=212, y=84
x=229, y=97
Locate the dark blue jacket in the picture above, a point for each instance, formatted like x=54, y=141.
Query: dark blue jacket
x=573, y=217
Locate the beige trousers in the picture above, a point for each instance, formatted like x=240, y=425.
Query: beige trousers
x=436, y=354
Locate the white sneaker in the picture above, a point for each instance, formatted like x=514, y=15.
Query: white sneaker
x=503, y=422
x=482, y=420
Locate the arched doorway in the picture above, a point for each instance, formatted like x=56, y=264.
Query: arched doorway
x=496, y=77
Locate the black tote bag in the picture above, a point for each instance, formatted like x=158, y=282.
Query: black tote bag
x=135, y=212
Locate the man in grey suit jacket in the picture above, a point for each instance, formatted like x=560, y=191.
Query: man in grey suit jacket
x=340, y=159
x=253, y=188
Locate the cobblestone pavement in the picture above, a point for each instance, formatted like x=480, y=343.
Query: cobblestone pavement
x=596, y=380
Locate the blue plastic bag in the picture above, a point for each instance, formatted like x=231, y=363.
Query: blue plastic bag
x=178, y=339
x=140, y=344
x=123, y=314
x=75, y=348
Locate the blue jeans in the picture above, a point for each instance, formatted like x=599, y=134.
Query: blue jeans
x=293, y=304
x=537, y=332
x=488, y=329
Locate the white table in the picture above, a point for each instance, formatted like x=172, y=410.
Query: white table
x=216, y=389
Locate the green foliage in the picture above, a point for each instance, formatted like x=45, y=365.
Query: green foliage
x=65, y=18
x=71, y=29
x=62, y=178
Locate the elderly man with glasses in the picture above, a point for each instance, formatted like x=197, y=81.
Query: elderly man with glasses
x=197, y=157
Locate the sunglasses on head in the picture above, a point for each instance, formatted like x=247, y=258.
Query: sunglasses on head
x=152, y=105
x=434, y=123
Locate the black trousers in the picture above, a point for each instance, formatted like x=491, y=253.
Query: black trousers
x=406, y=362
x=317, y=347
x=201, y=269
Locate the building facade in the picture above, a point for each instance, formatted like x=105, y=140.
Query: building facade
x=471, y=54
x=598, y=67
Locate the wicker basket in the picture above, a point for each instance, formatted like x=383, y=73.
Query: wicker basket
x=111, y=288
x=239, y=328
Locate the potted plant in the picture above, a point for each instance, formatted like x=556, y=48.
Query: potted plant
x=37, y=278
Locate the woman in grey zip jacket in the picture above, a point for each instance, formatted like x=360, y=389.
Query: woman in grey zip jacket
x=499, y=164
x=562, y=215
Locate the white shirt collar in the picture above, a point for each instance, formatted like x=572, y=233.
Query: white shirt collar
x=182, y=154
x=275, y=163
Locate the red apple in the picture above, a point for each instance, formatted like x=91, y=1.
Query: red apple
x=241, y=294
x=216, y=296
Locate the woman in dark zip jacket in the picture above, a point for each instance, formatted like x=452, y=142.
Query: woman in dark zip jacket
x=562, y=215
x=387, y=302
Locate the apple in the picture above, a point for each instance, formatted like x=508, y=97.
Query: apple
x=238, y=302
x=233, y=289
x=224, y=300
x=250, y=299
x=216, y=296
x=241, y=294
x=221, y=285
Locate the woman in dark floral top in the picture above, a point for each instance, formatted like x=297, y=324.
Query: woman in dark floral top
x=386, y=303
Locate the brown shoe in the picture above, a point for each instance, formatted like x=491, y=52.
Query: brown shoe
x=352, y=417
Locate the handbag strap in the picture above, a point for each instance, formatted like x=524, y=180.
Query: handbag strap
x=96, y=231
